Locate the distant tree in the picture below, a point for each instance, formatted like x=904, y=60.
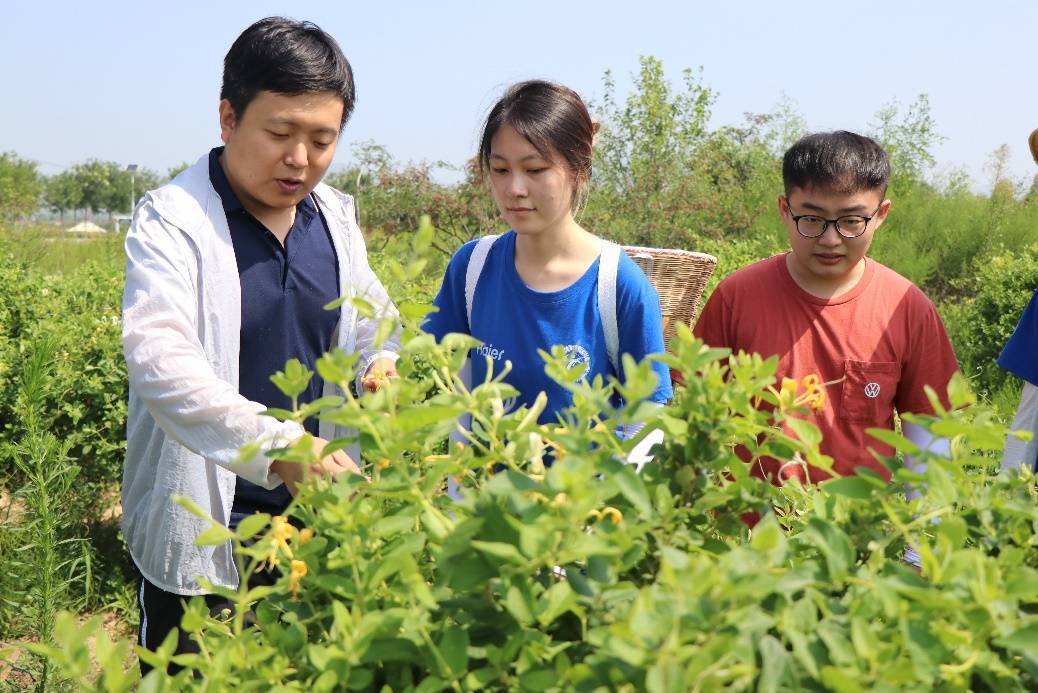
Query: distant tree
x=909, y=137
x=370, y=160
x=1032, y=192
x=62, y=193
x=645, y=155
x=783, y=126
x=100, y=186
x=20, y=186
x=175, y=171
x=647, y=140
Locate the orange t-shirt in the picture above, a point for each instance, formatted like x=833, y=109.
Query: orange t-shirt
x=883, y=340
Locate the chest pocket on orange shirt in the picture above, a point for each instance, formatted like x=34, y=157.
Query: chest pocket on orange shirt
x=868, y=390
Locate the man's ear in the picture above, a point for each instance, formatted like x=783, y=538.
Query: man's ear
x=783, y=206
x=881, y=215
x=228, y=120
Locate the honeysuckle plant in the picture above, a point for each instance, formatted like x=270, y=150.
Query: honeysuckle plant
x=560, y=567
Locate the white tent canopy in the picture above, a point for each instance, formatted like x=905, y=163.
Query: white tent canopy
x=86, y=227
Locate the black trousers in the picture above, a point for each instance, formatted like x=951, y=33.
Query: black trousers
x=161, y=612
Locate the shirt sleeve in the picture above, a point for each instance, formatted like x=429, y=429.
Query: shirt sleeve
x=640, y=323
x=449, y=314
x=1020, y=355
x=929, y=359
x=167, y=365
x=712, y=325
x=368, y=286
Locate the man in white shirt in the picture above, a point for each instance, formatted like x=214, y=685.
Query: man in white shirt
x=229, y=268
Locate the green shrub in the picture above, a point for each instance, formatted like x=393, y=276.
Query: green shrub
x=73, y=308
x=588, y=576
x=982, y=321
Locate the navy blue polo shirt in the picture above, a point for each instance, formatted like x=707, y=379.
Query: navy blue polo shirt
x=283, y=293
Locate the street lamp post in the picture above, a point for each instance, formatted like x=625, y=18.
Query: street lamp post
x=132, y=168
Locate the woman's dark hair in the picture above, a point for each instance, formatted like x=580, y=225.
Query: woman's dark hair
x=841, y=161
x=553, y=119
x=286, y=57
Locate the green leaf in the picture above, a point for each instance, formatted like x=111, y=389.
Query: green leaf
x=337, y=366
x=833, y=544
x=849, y=486
x=252, y=524
x=505, y=552
x=414, y=311
x=1023, y=639
x=215, y=535
x=805, y=431
x=293, y=380
x=767, y=536
x=410, y=420
x=360, y=680
x=454, y=647
x=520, y=603
x=774, y=664
x=363, y=307
x=559, y=599
x=392, y=525
x=894, y=440
x=632, y=486
x=540, y=680
x=840, y=680
x=192, y=507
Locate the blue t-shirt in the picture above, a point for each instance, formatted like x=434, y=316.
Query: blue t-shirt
x=513, y=321
x=1020, y=355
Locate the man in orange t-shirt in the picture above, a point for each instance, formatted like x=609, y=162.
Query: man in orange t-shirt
x=825, y=308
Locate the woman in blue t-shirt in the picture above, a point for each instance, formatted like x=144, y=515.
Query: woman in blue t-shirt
x=547, y=281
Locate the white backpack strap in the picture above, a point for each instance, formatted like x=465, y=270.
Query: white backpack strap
x=608, y=265
x=472, y=272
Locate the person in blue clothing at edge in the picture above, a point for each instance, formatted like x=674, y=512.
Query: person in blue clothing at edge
x=548, y=281
x=1020, y=357
x=229, y=267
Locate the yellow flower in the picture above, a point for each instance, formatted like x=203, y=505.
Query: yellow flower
x=280, y=533
x=305, y=535
x=382, y=463
x=297, y=573
x=559, y=500
x=613, y=514
x=814, y=393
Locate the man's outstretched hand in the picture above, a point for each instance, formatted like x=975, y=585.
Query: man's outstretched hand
x=331, y=466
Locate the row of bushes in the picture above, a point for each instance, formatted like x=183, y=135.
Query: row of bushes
x=588, y=576
x=63, y=399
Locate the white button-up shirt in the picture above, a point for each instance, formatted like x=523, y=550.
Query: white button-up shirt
x=181, y=338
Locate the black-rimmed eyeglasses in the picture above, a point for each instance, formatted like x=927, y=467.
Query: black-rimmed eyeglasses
x=813, y=226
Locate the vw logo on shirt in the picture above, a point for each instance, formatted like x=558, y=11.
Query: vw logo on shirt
x=872, y=390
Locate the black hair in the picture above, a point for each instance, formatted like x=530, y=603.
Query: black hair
x=289, y=57
x=841, y=161
x=552, y=118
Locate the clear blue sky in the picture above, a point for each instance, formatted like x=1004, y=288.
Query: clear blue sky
x=139, y=82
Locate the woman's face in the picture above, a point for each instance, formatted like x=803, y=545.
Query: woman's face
x=533, y=193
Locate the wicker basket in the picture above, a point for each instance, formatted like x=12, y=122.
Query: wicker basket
x=680, y=277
